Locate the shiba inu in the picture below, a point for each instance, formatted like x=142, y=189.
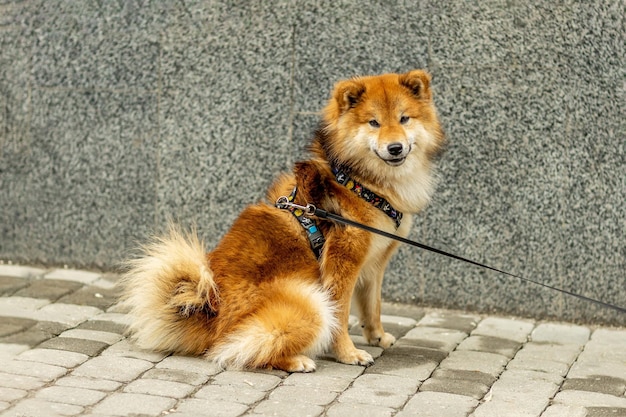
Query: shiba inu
x=277, y=288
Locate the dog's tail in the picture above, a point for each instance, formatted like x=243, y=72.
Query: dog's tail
x=165, y=288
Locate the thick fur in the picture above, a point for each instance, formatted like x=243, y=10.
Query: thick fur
x=261, y=298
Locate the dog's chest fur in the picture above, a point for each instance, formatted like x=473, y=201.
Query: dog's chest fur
x=381, y=248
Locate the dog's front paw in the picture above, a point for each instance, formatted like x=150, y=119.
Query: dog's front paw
x=384, y=341
x=297, y=363
x=356, y=357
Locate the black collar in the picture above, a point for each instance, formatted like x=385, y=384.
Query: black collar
x=367, y=195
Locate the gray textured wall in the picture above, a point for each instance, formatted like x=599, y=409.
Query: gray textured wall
x=116, y=114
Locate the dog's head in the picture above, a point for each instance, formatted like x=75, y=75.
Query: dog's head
x=386, y=122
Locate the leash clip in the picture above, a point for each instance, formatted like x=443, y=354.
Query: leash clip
x=284, y=203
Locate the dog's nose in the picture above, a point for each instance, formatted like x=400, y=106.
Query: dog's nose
x=395, y=148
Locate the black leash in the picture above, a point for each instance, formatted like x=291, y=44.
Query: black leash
x=311, y=210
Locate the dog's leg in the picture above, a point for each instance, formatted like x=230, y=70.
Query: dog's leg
x=343, y=257
x=367, y=297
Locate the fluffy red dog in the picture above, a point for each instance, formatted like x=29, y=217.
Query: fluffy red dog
x=263, y=297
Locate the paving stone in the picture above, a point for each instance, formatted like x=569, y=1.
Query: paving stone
x=107, y=281
x=86, y=347
x=123, y=319
x=35, y=407
x=361, y=410
x=11, y=350
x=11, y=394
x=200, y=407
x=113, y=368
x=120, y=308
x=466, y=360
x=20, y=381
x=552, y=367
x=333, y=368
x=524, y=374
x=564, y=334
x=606, y=412
x=97, y=384
x=399, y=321
x=101, y=298
x=474, y=376
x=49, y=289
x=613, y=337
x=256, y=380
x=70, y=395
x=313, y=381
x=129, y=350
x=98, y=336
x=594, y=365
x=52, y=327
x=384, y=390
x=13, y=306
x=128, y=404
x=435, y=338
x=504, y=407
x=413, y=349
x=559, y=410
x=438, y=404
x=407, y=361
x=589, y=399
x=448, y=320
x=84, y=277
x=504, y=347
x=603, y=384
x=34, y=369
x=10, y=325
x=176, y=375
x=548, y=351
x=456, y=386
x=10, y=285
x=190, y=364
x=603, y=355
x=528, y=397
x=29, y=337
x=316, y=396
x=19, y=271
x=512, y=329
x=103, y=326
x=62, y=358
x=230, y=393
x=159, y=388
x=69, y=314
x=288, y=409
x=371, y=396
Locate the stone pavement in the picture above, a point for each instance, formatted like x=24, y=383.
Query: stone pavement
x=63, y=352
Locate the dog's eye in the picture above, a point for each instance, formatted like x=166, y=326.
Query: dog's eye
x=404, y=120
x=374, y=123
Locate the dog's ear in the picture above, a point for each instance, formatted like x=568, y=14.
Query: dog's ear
x=418, y=82
x=348, y=93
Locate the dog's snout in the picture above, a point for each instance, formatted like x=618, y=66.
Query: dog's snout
x=395, y=148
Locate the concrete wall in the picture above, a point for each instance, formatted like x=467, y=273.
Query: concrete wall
x=117, y=114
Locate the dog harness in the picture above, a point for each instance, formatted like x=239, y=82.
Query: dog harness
x=368, y=195
x=315, y=236
x=313, y=233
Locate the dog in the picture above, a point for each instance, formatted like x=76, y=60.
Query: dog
x=277, y=289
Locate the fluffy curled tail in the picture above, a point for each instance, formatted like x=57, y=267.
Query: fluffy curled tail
x=164, y=287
